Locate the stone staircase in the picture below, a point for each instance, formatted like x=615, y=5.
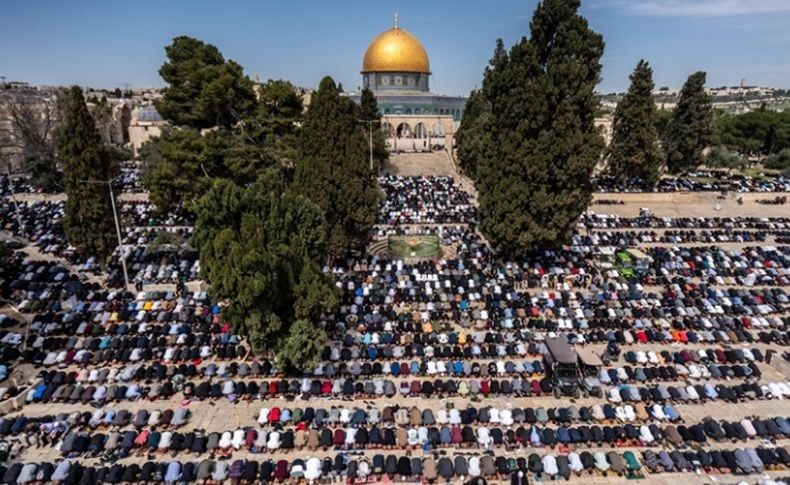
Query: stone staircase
x=413, y=163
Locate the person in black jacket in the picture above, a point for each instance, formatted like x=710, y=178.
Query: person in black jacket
x=115, y=473
x=250, y=471
x=403, y=468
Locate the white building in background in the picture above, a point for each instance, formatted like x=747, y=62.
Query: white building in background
x=146, y=123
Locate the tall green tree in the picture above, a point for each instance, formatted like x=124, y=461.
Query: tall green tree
x=269, y=136
x=178, y=166
x=203, y=89
x=88, y=221
x=663, y=120
x=634, y=152
x=333, y=169
x=369, y=111
x=261, y=250
x=534, y=182
x=474, y=136
x=691, y=130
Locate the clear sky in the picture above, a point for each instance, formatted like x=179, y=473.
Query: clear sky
x=112, y=42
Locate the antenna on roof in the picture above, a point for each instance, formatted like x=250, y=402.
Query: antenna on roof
x=396, y=20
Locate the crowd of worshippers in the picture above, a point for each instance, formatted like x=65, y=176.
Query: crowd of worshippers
x=62, y=390
x=592, y=220
x=391, y=467
x=142, y=213
x=634, y=238
x=157, y=236
x=424, y=298
x=760, y=265
x=101, y=346
x=39, y=222
x=51, y=429
x=15, y=185
x=301, y=438
x=475, y=290
x=418, y=200
x=655, y=366
x=703, y=181
x=163, y=264
x=129, y=179
x=98, y=432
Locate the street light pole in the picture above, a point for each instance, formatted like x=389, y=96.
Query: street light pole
x=121, y=245
x=370, y=139
x=370, y=133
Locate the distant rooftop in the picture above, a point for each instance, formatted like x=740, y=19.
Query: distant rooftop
x=148, y=113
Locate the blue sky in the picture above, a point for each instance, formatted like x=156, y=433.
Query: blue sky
x=109, y=43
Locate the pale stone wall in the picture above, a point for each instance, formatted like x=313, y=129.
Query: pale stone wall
x=139, y=134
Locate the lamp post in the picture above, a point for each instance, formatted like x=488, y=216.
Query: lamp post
x=370, y=139
x=117, y=223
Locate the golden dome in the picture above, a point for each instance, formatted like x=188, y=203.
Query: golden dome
x=396, y=50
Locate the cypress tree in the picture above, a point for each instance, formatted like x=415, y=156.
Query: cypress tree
x=333, y=168
x=634, y=151
x=473, y=138
x=88, y=221
x=534, y=181
x=474, y=134
x=369, y=111
x=691, y=128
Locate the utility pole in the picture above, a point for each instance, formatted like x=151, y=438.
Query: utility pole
x=121, y=245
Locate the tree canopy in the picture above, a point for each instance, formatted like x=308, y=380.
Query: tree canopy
x=779, y=161
x=723, y=157
x=203, y=89
x=690, y=131
x=229, y=157
x=634, y=152
x=758, y=132
x=262, y=248
x=333, y=168
x=87, y=166
x=534, y=177
x=178, y=167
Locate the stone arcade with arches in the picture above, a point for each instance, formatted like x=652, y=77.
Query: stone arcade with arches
x=418, y=132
